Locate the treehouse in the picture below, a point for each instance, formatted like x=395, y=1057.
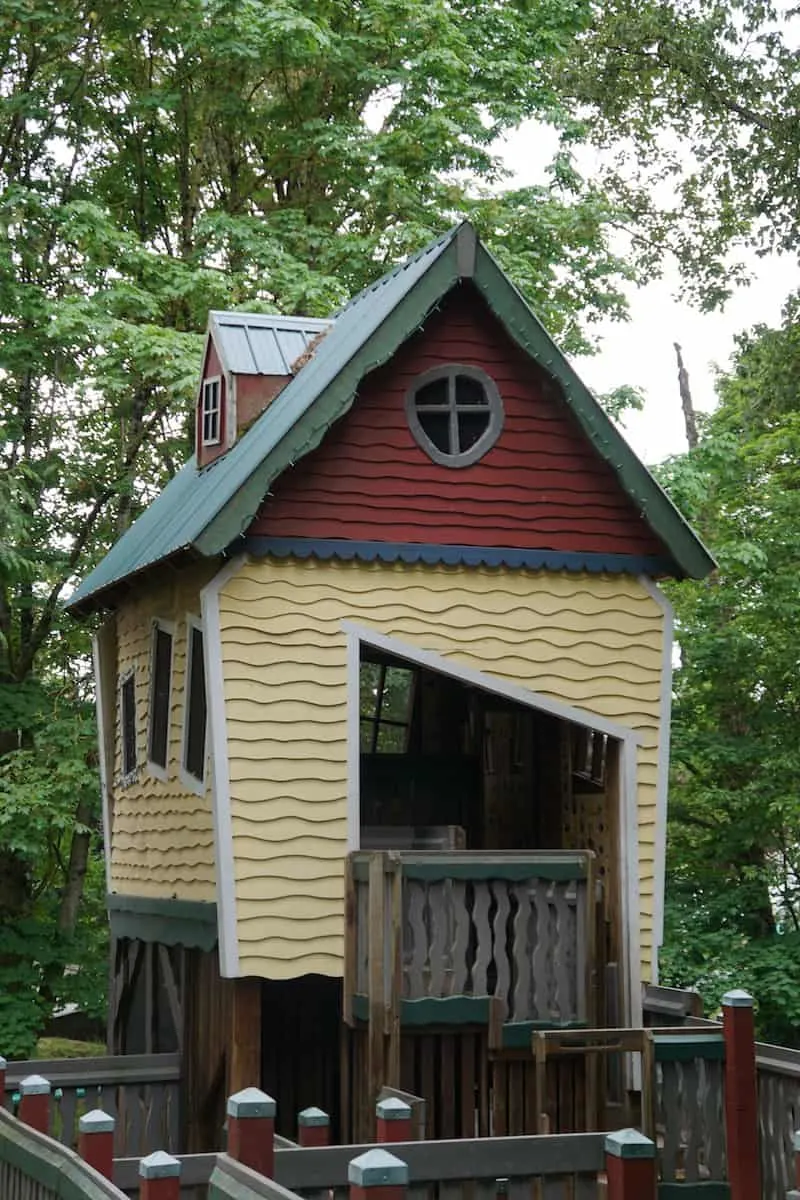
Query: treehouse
x=383, y=686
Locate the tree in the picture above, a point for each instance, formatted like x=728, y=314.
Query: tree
x=733, y=909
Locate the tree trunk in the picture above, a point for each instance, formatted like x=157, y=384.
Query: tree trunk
x=689, y=419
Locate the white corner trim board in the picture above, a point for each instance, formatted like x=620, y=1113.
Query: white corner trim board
x=220, y=775
x=662, y=777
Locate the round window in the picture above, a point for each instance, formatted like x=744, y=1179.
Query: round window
x=455, y=414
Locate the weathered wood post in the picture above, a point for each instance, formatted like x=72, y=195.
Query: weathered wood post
x=3, y=1065
x=630, y=1166
x=393, y=1120
x=377, y=1175
x=251, y=1130
x=313, y=1127
x=741, y=1095
x=96, y=1141
x=160, y=1174
x=34, y=1105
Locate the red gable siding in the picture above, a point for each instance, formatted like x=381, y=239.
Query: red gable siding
x=541, y=486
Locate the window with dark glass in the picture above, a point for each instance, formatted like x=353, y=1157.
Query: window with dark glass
x=455, y=414
x=194, y=753
x=386, y=700
x=160, y=690
x=127, y=706
x=212, y=411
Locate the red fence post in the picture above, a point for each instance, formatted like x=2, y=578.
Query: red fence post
x=96, y=1141
x=377, y=1175
x=160, y=1174
x=741, y=1095
x=631, y=1166
x=34, y=1106
x=393, y=1120
x=251, y=1130
x=313, y=1127
x=3, y=1065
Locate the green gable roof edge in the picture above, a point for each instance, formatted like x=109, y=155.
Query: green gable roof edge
x=524, y=326
x=334, y=401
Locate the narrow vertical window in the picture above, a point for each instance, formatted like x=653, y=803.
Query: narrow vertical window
x=127, y=713
x=160, y=692
x=194, y=750
x=211, y=411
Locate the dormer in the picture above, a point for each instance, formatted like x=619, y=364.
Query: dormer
x=249, y=358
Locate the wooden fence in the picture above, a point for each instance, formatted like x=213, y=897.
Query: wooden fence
x=35, y=1167
x=140, y=1091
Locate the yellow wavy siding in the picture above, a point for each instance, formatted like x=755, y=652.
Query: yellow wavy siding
x=162, y=843
x=588, y=640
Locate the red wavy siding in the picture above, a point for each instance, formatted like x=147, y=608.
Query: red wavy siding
x=541, y=486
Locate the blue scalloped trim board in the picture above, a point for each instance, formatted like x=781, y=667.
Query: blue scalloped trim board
x=467, y=556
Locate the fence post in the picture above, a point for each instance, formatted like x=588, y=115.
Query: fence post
x=631, y=1166
x=251, y=1130
x=3, y=1065
x=377, y=1175
x=741, y=1095
x=161, y=1177
x=313, y=1127
x=96, y=1141
x=34, y=1107
x=794, y=1194
x=393, y=1120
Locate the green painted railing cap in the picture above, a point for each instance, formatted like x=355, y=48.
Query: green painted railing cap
x=377, y=1168
x=251, y=1102
x=392, y=1108
x=738, y=998
x=630, y=1143
x=96, y=1121
x=159, y=1165
x=313, y=1116
x=35, y=1085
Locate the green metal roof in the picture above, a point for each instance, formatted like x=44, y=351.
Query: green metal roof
x=204, y=511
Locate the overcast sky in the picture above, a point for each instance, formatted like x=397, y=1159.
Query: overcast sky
x=641, y=352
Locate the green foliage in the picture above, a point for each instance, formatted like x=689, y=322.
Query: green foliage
x=733, y=912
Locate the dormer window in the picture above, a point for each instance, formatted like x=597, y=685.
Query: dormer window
x=455, y=414
x=211, y=412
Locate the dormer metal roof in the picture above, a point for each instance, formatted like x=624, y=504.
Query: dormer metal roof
x=262, y=343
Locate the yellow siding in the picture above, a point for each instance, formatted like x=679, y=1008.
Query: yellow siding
x=162, y=843
x=588, y=640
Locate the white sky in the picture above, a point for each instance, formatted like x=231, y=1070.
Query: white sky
x=640, y=352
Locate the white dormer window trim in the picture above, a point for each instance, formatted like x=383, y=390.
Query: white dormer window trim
x=211, y=411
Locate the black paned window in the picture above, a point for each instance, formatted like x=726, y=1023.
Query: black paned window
x=160, y=696
x=127, y=705
x=212, y=412
x=194, y=755
x=455, y=414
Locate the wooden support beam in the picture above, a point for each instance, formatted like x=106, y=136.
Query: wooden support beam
x=377, y=953
x=244, y=1064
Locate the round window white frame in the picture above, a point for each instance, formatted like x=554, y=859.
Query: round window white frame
x=495, y=408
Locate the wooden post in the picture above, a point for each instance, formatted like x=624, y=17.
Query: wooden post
x=245, y=1039
x=631, y=1166
x=313, y=1127
x=96, y=1141
x=3, y=1065
x=393, y=1120
x=34, y=1108
x=376, y=951
x=160, y=1174
x=741, y=1095
x=251, y=1130
x=377, y=1175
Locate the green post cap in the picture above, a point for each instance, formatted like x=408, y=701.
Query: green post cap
x=313, y=1116
x=796, y=1141
x=251, y=1102
x=159, y=1166
x=377, y=1168
x=35, y=1085
x=630, y=1143
x=392, y=1108
x=96, y=1121
x=737, y=999
x=3, y=1063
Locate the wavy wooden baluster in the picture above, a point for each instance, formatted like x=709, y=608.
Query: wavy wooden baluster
x=540, y=959
x=418, y=957
x=501, y=961
x=713, y=1120
x=460, y=947
x=521, y=948
x=672, y=1116
x=569, y=962
x=483, y=937
x=438, y=905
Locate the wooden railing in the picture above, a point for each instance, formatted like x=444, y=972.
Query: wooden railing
x=35, y=1167
x=432, y=927
x=141, y=1092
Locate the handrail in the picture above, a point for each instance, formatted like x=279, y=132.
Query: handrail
x=110, y=1070
x=59, y=1173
